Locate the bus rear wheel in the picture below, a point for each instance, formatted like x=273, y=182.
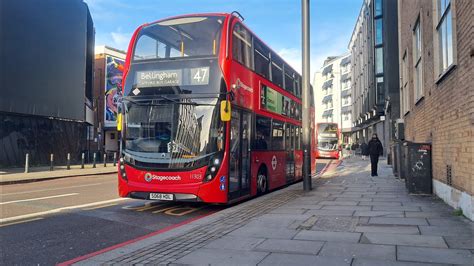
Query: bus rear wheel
x=262, y=182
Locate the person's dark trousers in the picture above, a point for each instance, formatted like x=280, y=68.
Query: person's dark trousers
x=374, y=160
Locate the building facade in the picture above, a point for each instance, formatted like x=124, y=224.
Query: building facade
x=375, y=79
x=46, y=72
x=332, y=93
x=436, y=90
x=108, y=71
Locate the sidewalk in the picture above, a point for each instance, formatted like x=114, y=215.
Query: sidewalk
x=348, y=218
x=14, y=176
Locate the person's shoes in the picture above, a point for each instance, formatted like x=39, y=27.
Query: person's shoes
x=376, y=175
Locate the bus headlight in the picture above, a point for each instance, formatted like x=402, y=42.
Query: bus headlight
x=213, y=166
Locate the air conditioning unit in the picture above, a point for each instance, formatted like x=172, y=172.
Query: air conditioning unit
x=400, y=129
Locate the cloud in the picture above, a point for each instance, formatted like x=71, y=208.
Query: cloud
x=292, y=56
x=120, y=40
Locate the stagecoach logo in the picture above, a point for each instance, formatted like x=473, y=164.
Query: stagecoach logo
x=239, y=84
x=149, y=177
x=274, y=162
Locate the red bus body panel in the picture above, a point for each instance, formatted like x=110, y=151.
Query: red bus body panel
x=247, y=99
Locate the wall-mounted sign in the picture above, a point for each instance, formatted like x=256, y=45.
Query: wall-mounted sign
x=113, y=89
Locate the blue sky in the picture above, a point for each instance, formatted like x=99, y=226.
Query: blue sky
x=276, y=22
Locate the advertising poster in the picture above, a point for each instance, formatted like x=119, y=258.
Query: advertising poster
x=113, y=89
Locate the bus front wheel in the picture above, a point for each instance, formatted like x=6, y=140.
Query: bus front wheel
x=262, y=181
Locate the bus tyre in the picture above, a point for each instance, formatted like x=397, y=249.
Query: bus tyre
x=262, y=181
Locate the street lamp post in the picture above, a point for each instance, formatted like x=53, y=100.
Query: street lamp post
x=306, y=95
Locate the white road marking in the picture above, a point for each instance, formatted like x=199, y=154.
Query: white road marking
x=25, y=216
x=20, y=222
x=42, y=198
x=50, y=189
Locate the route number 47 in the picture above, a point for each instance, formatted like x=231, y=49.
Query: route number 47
x=200, y=75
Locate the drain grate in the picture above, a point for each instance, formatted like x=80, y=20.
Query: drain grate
x=449, y=175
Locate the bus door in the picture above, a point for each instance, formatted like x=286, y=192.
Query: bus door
x=290, y=152
x=239, y=161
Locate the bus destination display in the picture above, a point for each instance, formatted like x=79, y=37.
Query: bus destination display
x=175, y=77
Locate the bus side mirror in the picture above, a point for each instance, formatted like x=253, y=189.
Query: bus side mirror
x=119, y=122
x=225, y=111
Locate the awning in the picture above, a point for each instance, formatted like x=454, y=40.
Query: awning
x=346, y=61
x=327, y=98
x=346, y=93
x=346, y=109
x=345, y=76
x=327, y=84
x=327, y=113
x=327, y=70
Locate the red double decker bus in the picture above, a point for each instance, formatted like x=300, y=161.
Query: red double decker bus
x=327, y=140
x=209, y=113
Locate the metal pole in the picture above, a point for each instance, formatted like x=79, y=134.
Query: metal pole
x=82, y=161
x=105, y=159
x=306, y=95
x=68, y=161
x=93, y=160
x=27, y=163
x=115, y=158
x=51, y=160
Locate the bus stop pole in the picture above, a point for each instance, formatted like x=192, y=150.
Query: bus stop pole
x=306, y=95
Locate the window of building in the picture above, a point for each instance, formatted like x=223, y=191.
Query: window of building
x=277, y=135
x=242, y=45
x=378, y=60
x=262, y=60
x=378, y=31
x=378, y=7
x=262, y=133
x=444, y=30
x=417, y=52
x=404, y=86
x=346, y=100
x=330, y=104
x=330, y=89
x=277, y=70
x=380, y=90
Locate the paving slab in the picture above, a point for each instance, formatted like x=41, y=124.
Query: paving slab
x=397, y=208
x=347, y=208
x=460, y=241
x=290, y=246
x=206, y=256
x=235, y=243
x=435, y=255
x=444, y=230
x=349, y=251
x=388, y=229
x=328, y=236
x=288, y=211
x=338, y=203
x=380, y=203
x=452, y=221
x=433, y=214
x=375, y=262
x=353, y=199
x=404, y=239
x=398, y=221
x=296, y=260
x=380, y=213
x=265, y=232
x=330, y=212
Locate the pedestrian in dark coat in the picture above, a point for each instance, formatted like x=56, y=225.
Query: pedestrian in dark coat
x=364, y=150
x=375, y=150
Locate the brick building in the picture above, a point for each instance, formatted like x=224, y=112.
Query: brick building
x=436, y=91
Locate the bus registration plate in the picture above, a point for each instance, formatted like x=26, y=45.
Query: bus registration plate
x=161, y=196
